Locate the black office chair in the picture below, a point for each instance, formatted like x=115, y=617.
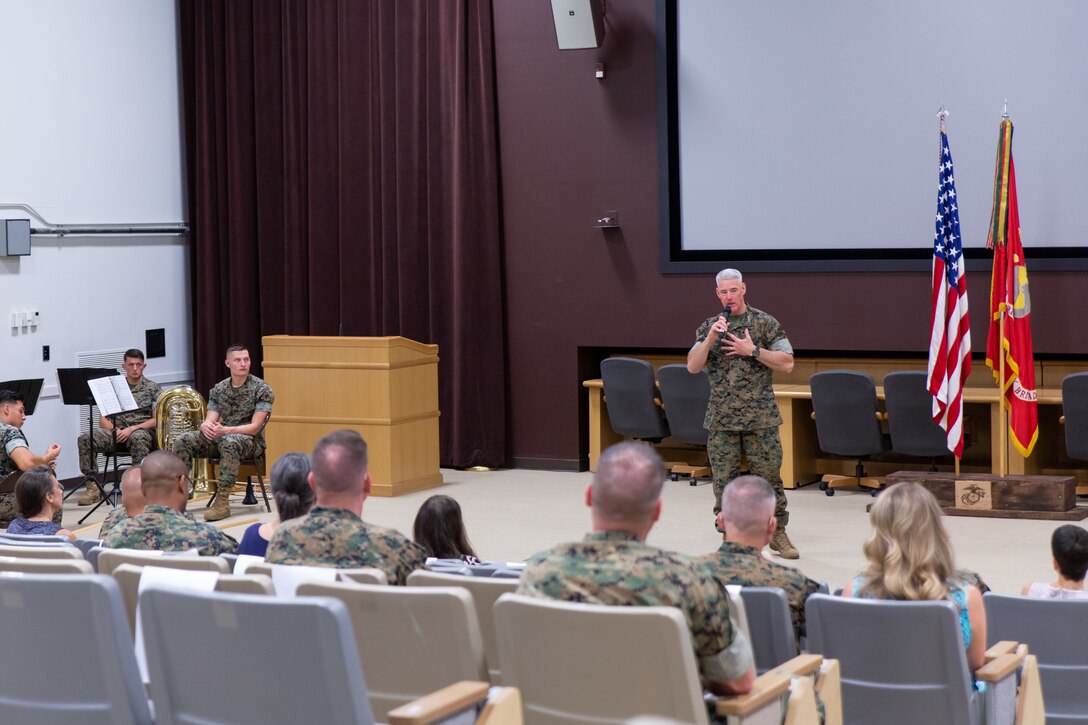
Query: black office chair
x=910, y=417
x=686, y=397
x=1075, y=418
x=848, y=425
x=631, y=396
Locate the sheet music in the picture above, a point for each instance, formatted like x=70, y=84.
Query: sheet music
x=112, y=395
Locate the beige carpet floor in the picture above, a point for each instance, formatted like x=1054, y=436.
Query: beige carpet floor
x=511, y=514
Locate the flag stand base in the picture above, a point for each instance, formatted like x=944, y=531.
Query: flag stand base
x=1006, y=497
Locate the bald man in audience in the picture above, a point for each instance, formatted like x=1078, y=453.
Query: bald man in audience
x=162, y=525
x=748, y=520
x=333, y=533
x=615, y=566
x=132, y=502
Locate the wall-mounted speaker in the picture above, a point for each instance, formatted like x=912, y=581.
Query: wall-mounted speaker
x=578, y=23
x=14, y=237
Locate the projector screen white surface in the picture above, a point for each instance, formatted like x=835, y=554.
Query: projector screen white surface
x=812, y=125
x=108, y=148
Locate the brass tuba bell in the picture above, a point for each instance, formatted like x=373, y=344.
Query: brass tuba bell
x=179, y=410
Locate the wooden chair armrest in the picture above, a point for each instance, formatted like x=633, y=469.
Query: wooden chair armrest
x=504, y=708
x=999, y=668
x=801, y=665
x=439, y=704
x=1061, y=420
x=766, y=687
x=1004, y=647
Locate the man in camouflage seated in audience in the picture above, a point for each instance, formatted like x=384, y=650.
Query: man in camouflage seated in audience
x=132, y=502
x=614, y=566
x=162, y=525
x=15, y=454
x=333, y=533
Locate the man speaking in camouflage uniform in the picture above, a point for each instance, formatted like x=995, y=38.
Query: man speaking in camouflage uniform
x=747, y=518
x=161, y=526
x=135, y=428
x=614, y=566
x=15, y=452
x=233, y=428
x=739, y=354
x=333, y=533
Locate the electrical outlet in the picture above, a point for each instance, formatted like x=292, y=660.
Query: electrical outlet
x=45, y=353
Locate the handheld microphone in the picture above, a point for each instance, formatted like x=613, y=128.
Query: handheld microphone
x=725, y=313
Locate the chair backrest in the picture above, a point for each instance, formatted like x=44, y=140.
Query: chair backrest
x=578, y=663
x=85, y=545
x=458, y=566
x=1075, y=410
x=411, y=641
x=485, y=592
x=770, y=626
x=33, y=538
x=629, y=394
x=58, y=668
x=110, y=559
x=40, y=551
x=910, y=416
x=245, y=584
x=1056, y=632
x=45, y=566
x=686, y=397
x=363, y=575
x=902, y=662
x=209, y=656
x=844, y=402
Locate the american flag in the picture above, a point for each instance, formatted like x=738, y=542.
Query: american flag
x=950, y=329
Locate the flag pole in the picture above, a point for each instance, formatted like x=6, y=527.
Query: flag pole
x=1002, y=411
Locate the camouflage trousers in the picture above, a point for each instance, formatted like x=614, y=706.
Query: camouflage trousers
x=763, y=451
x=9, y=514
x=139, y=444
x=230, y=450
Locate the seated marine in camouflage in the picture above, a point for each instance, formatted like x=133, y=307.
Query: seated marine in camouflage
x=15, y=452
x=132, y=502
x=748, y=520
x=233, y=428
x=333, y=532
x=615, y=566
x=162, y=526
x=135, y=429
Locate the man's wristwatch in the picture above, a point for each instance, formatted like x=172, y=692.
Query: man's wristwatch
x=755, y=353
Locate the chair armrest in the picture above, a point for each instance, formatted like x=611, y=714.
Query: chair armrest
x=439, y=704
x=801, y=665
x=999, y=668
x=766, y=687
x=1003, y=647
x=503, y=708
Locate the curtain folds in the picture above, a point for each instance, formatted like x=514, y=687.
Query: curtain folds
x=343, y=179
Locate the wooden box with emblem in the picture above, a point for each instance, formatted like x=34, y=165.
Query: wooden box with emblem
x=1010, y=497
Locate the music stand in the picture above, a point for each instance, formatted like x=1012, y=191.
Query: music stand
x=30, y=390
x=74, y=391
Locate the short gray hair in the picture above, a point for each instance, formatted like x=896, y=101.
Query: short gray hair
x=747, y=504
x=729, y=273
x=628, y=482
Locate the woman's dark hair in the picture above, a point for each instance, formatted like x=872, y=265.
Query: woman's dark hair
x=1069, y=544
x=439, y=529
x=31, y=490
x=290, y=485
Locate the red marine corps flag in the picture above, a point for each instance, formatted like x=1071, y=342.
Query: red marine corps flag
x=1008, y=345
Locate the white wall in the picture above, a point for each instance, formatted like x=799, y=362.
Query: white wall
x=90, y=133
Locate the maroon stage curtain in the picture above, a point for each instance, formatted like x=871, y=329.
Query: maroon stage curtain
x=343, y=180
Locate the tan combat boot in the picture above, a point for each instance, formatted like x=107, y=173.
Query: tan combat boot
x=782, y=544
x=90, y=494
x=220, y=508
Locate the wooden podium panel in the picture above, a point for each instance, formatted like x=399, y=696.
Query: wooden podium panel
x=384, y=387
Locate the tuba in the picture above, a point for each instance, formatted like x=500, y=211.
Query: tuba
x=179, y=410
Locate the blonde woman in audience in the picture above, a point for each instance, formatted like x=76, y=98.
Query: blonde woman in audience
x=910, y=558
x=1069, y=546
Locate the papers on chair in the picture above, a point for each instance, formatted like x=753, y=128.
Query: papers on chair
x=285, y=579
x=112, y=395
x=245, y=561
x=163, y=578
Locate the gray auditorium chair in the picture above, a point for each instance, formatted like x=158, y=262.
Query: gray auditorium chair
x=769, y=625
x=686, y=396
x=904, y=662
x=45, y=566
x=847, y=424
x=58, y=668
x=1056, y=632
x=631, y=397
x=48, y=550
x=6, y=538
x=909, y=405
x=1075, y=418
x=250, y=637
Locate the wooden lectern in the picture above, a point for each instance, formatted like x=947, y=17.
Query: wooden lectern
x=384, y=387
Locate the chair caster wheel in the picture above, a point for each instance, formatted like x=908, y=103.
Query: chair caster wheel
x=675, y=477
x=693, y=482
x=829, y=491
x=875, y=492
x=823, y=485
